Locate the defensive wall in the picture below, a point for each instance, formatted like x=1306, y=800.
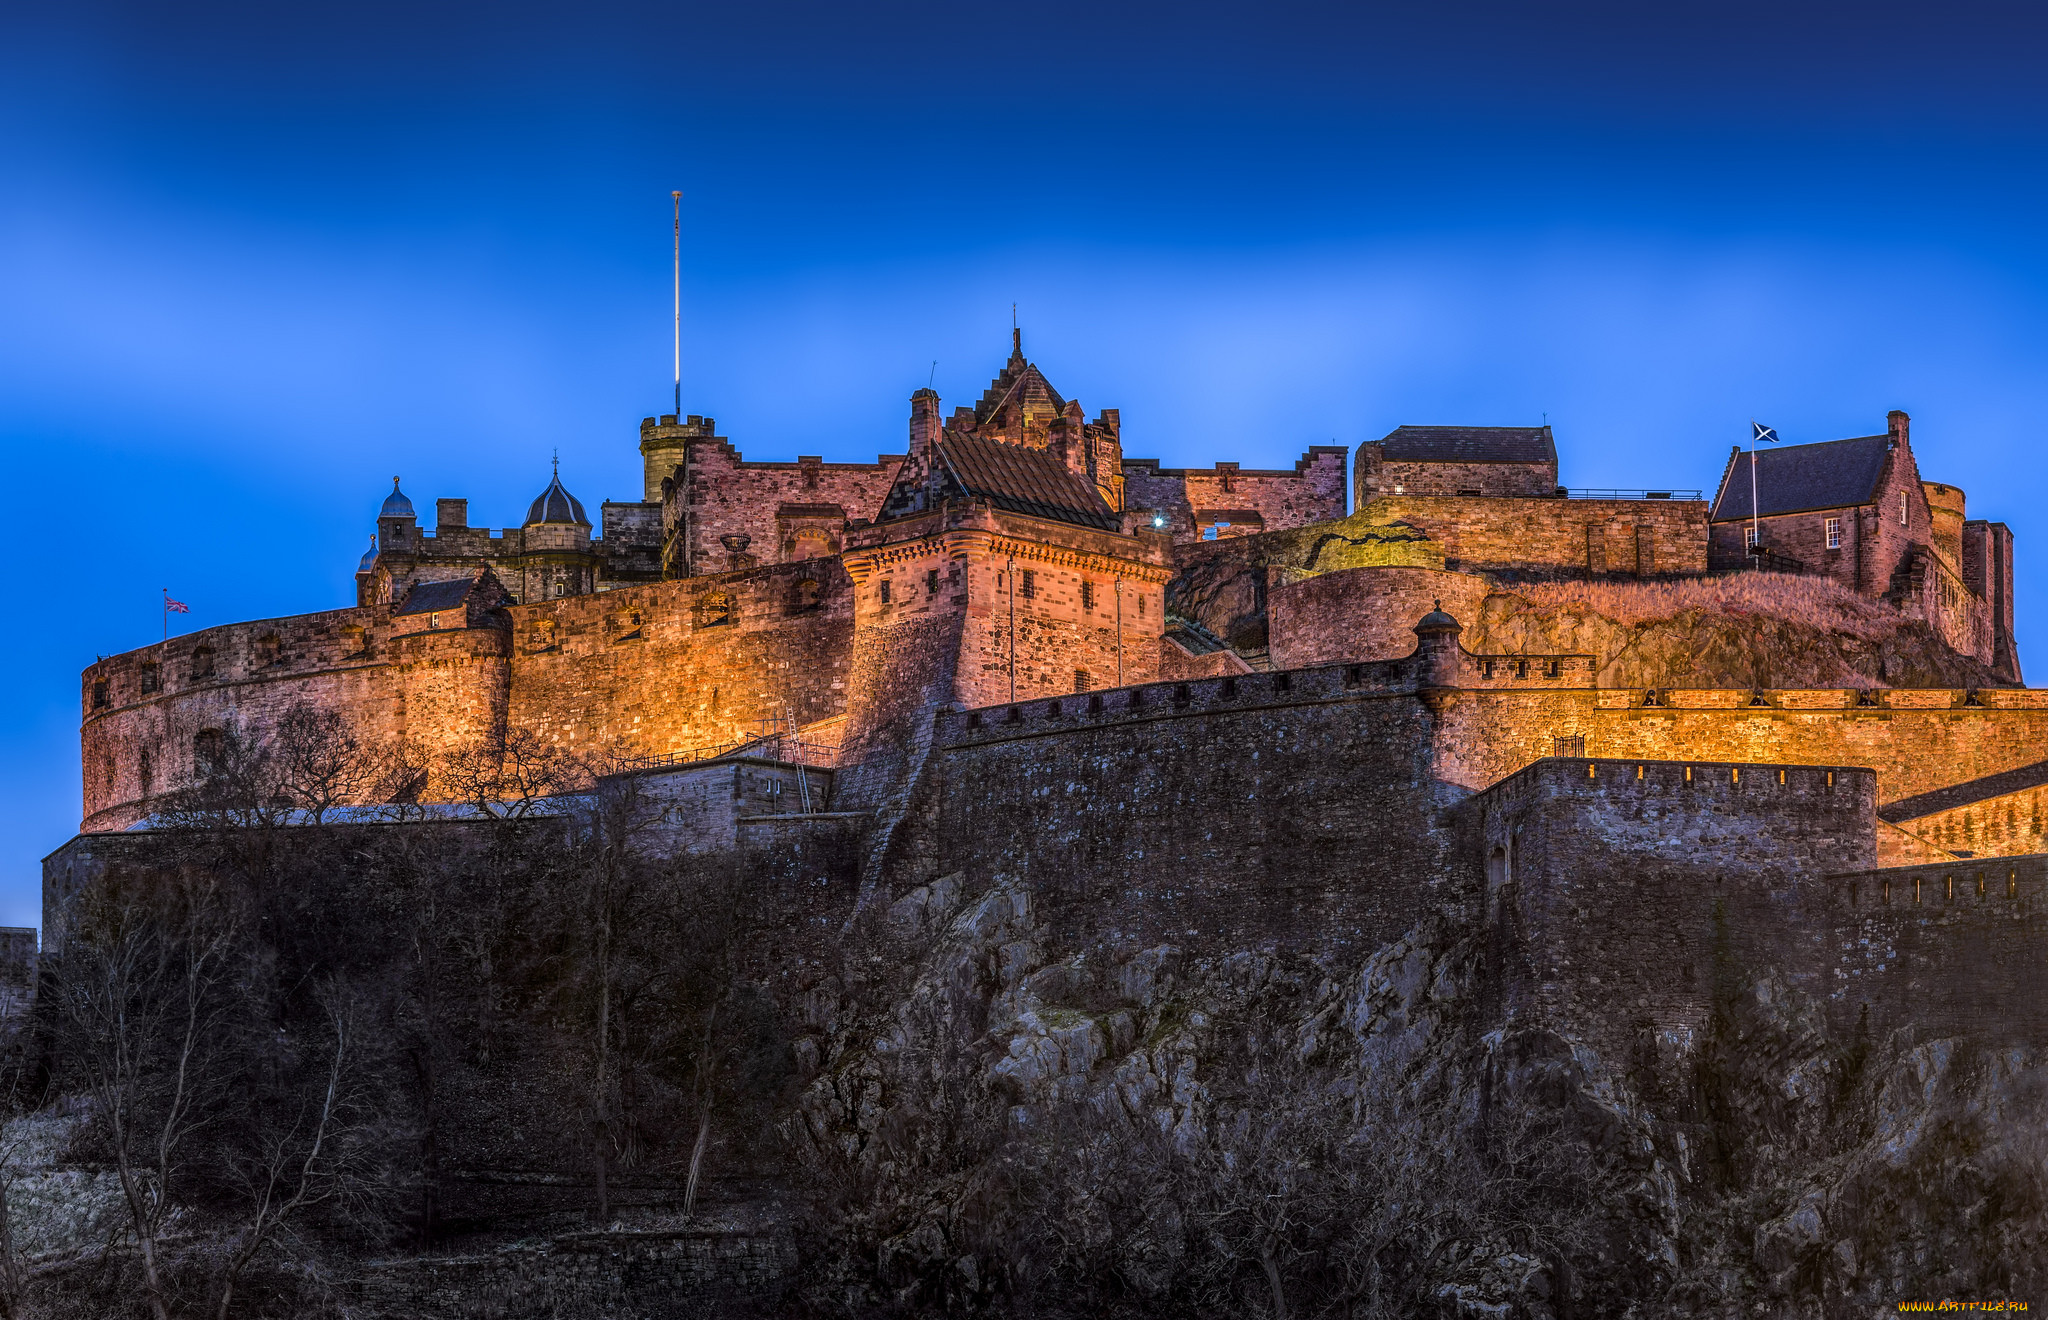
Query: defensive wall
x=669, y=667
x=785, y=511
x=1249, y=500
x=643, y=671
x=1618, y=891
x=1535, y=538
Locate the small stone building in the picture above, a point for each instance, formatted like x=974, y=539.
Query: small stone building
x=1858, y=512
x=1458, y=460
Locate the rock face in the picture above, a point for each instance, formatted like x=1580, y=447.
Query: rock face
x=1016, y=1119
x=1739, y=632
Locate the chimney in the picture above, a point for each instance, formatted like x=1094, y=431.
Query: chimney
x=450, y=513
x=1899, y=427
x=1074, y=440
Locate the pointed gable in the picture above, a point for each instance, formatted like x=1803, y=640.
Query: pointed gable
x=1018, y=388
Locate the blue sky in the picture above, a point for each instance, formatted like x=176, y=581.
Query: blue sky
x=254, y=259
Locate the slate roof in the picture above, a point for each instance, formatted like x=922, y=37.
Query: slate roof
x=427, y=597
x=556, y=505
x=1962, y=795
x=1470, y=444
x=1835, y=474
x=1024, y=480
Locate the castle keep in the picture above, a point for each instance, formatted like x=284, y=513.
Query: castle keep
x=1187, y=700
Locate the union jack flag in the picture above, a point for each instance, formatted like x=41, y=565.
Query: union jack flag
x=175, y=606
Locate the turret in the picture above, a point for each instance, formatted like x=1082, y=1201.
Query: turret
x=1436, y=651
x=397, y=525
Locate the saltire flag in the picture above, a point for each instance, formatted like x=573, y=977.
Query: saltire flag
x=176, y=606
x=1762, y=433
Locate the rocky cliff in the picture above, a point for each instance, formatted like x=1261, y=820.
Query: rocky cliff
x=1029, y=1124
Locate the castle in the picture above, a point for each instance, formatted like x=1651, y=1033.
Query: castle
x=1013, y=650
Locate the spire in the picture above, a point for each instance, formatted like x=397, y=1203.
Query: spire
x=1016, y=344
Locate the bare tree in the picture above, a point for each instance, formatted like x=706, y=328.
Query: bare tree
x=321, y=762
x=143, y=998
x=303, y=1154
x=505, y=776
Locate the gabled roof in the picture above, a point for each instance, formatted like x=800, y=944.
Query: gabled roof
x=1021, y=384
x=1835, y=474
x=428, y=597
x=1024, y=480
x=1470, y=444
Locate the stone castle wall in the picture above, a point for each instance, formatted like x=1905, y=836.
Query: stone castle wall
x=1557, y=537
x=394, y=682
x=1618, y=891
x=670, y=667
x=1194, y=498
x=1250, y=809
x=786, y=511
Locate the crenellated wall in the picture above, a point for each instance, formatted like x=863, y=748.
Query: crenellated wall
x=1196, y=499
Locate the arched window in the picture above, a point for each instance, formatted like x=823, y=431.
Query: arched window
x=715, y=610
x=209, y=748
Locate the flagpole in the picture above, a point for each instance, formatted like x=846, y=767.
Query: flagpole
x=678, y=196
x=167, y=614
x=1756, y=523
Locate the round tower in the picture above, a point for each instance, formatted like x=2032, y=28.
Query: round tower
x=555, y=554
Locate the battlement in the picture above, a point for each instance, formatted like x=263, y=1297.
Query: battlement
x=1147, y=702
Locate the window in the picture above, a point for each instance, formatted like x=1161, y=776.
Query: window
x=931, y=582
x=1467, y=491
x=715, y=610
x=1141, y=605
x=1749, y=535
x=1029, y=588
x=202, y=663
x=99, y=694
x=1087, y=595
x=885, y=593
x=1834, y=531
x=152, y=679
x=434, y=620
x=1081, y=680
x=1902, y=508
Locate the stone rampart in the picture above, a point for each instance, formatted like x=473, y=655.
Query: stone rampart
x=1257, y=809
x=675, y=666
x=1618, y=891
x=144, y=711
x=1953, y=948
x=1537, y=538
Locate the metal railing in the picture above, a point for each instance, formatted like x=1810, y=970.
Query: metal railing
x=1613, y=493
x=774, y=741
